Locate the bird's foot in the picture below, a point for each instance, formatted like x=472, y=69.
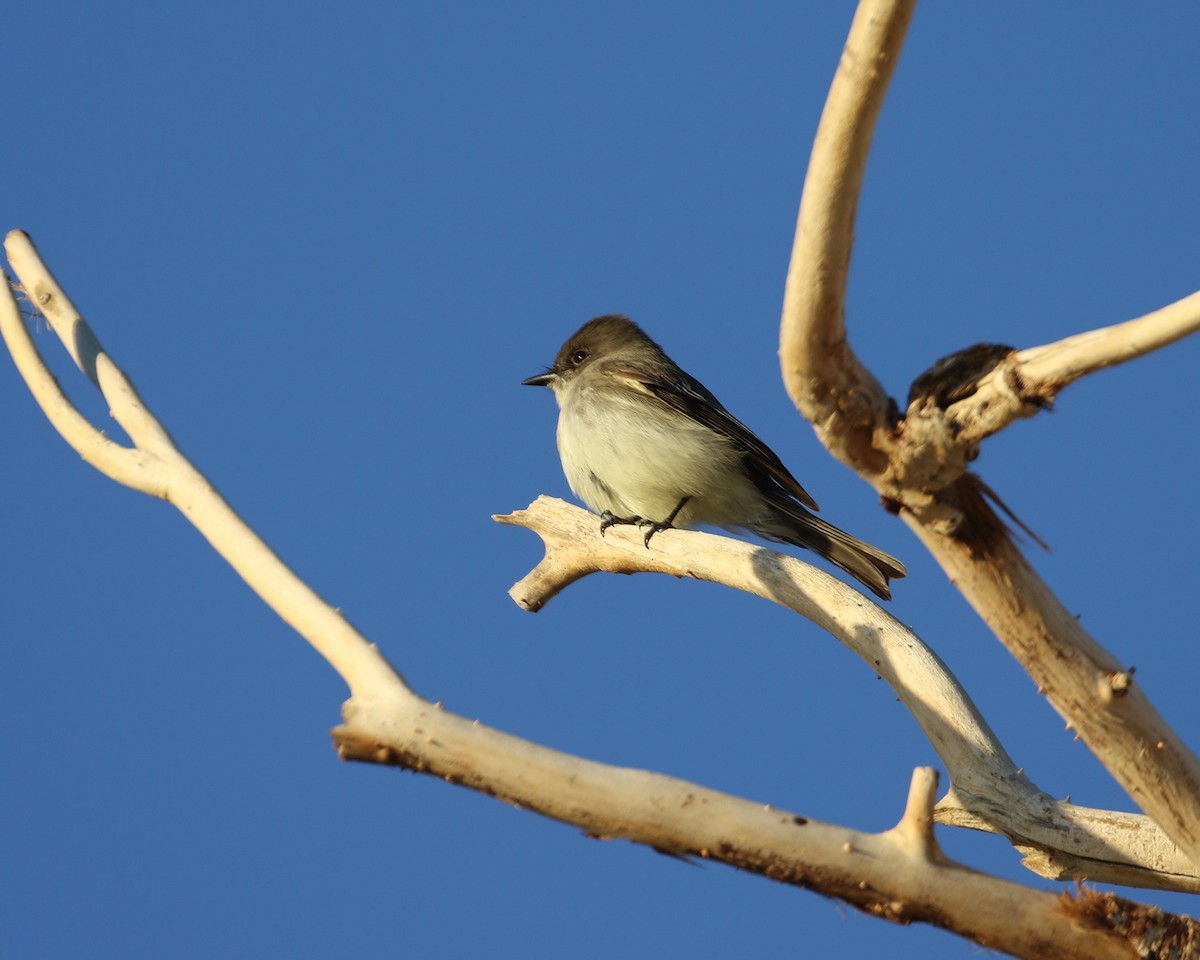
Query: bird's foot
x=652, y=527
x=657, y=525
x=608, y=519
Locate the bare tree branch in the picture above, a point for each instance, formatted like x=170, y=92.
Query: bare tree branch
x=156, y=466
x=822, y=374
x=1059, y=839
x=919, y=464
x=1024, y=382
x=899, y=875
x=1095, y=693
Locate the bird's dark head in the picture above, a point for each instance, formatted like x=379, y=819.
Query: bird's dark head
x=605, y=336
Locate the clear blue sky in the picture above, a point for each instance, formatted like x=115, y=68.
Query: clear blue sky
x=328, y=244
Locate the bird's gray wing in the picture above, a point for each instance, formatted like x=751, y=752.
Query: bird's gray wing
x=694, y=400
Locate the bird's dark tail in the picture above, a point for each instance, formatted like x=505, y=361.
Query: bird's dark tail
x=869, y=565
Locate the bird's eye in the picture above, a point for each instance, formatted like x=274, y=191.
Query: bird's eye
x=579, y=356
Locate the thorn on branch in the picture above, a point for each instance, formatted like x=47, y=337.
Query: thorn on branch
x=1115, y=684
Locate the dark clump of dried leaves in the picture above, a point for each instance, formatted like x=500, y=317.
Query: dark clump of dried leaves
x=957, y=376
x=1151, y=932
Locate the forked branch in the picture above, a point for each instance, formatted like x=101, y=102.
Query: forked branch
x=918, y=462
x=386, y=723
x=156, y=466
x=1059, y=839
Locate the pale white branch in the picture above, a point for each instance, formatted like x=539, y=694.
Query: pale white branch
x=133, y=468
x=1027, y=381
x=919, y=463
x=157, y=467
x=1069, y=359
x=915, y=829
x=835, y=392
x=896, y=875
x=988, y=790
x=1087, y=685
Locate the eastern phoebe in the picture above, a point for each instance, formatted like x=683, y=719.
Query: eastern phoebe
x=643, y=442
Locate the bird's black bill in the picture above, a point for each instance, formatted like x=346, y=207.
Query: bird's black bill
x=541, y=380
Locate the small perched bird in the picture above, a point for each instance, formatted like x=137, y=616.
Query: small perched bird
x=643, y=442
